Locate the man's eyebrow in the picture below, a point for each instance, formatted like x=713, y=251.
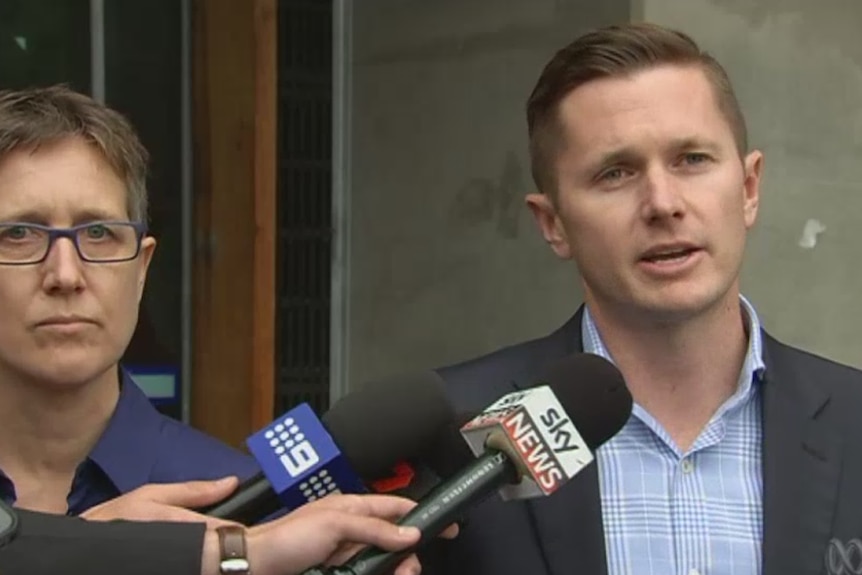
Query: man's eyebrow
x=695, y=143
x=625, y=155
x=629, y=155
x=27, y=216
x=34, y=216
x=93, y=215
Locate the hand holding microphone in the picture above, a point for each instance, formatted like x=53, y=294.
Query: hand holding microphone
x=357, y=442
x=528, y=446
x=165, y=502
x=329, y=531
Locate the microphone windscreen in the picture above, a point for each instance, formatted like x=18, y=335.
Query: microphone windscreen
x=593, y=393
x=388, y=419
x=448, y=453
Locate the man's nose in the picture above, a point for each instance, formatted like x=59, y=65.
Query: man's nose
x=63, y=267
x=662, y=195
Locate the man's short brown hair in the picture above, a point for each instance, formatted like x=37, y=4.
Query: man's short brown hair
x=615, y=51
x=42, y=116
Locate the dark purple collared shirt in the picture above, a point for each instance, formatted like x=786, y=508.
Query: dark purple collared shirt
x=140, y=446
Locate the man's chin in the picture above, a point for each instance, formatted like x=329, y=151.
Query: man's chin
x=68, y=376
x=679, y=308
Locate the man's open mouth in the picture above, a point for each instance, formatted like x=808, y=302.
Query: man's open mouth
x=670, y=254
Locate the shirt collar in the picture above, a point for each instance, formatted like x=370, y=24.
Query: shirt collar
x=753, y=366
x=129, y=447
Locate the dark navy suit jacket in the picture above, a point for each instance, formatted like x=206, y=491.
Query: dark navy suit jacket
x=50, y=544
x=812, y=470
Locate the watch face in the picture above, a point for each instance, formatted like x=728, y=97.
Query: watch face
x=232, y=549
x=8, y=524
x=237, y=566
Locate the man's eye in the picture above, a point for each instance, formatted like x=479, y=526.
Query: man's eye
x=694, y=158
x=16, y=232
x=612, y=174
x=96, y=232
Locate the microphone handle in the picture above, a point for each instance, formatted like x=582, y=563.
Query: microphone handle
x=252, y=501
x=435, y=512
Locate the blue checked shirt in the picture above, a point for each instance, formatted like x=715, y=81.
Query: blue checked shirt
x=695, y=513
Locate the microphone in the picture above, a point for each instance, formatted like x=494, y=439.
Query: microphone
x=527, y=446
x=444, y=456
x=359, y=440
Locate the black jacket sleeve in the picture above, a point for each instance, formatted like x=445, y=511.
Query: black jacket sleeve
x=53, y=544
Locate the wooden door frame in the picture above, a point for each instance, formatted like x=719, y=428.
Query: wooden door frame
x=234, y=139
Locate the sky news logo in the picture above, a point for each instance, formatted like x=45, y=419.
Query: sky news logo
x=293, y=450
x=535, y=452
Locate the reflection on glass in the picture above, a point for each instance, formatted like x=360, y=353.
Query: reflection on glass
x=45, y=42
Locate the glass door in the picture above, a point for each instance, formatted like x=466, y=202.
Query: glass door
x=133, y=55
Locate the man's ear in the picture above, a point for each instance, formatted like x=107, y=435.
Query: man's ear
x=545, y=213
x=148, y=246
x=753, y=165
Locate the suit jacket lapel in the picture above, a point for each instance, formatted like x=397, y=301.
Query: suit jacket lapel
x=801, y=466
x=568, y=524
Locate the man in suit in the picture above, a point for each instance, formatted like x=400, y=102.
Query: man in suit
x=327, y=531
x=742, y=454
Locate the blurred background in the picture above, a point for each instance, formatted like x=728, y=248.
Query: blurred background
x=337, y=187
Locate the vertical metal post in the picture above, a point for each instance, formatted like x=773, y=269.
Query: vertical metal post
x=342, y=29
x=97, y=50
x=187, y=208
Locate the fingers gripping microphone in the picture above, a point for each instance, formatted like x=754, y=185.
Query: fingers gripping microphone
x=358, y=441
x=527, y=446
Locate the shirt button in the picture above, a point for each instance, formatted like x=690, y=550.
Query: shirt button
x=693, y=572
x=688, y=467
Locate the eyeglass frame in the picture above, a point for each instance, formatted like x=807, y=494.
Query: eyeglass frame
x=71, y=234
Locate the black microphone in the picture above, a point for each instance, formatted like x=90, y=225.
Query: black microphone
x=443, y=457
x=527, y=447
x=358, y=441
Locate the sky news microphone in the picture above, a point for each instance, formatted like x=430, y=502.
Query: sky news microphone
x=527, y=446
x=357, y=442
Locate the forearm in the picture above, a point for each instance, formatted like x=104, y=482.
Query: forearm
x=78, y=546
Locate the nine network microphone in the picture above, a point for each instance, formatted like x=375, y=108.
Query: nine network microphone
x=300, y=459
x=528, y=444
x=361, y=440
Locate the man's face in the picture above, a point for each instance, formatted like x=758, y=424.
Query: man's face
x=653, y=201
x=62, y=185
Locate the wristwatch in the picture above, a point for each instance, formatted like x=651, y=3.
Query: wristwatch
x=232, y=550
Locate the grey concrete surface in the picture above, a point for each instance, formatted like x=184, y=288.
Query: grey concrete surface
x=445, y=260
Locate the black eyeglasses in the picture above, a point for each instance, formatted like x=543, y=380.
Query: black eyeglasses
x=97, y=242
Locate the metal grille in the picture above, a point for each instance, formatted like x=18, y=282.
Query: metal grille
x=304, y=243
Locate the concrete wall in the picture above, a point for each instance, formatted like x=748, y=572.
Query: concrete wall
x=797, y=68
x=445, y=260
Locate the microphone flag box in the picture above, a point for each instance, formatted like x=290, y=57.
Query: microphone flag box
x=300, y=459
x=541, y=437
